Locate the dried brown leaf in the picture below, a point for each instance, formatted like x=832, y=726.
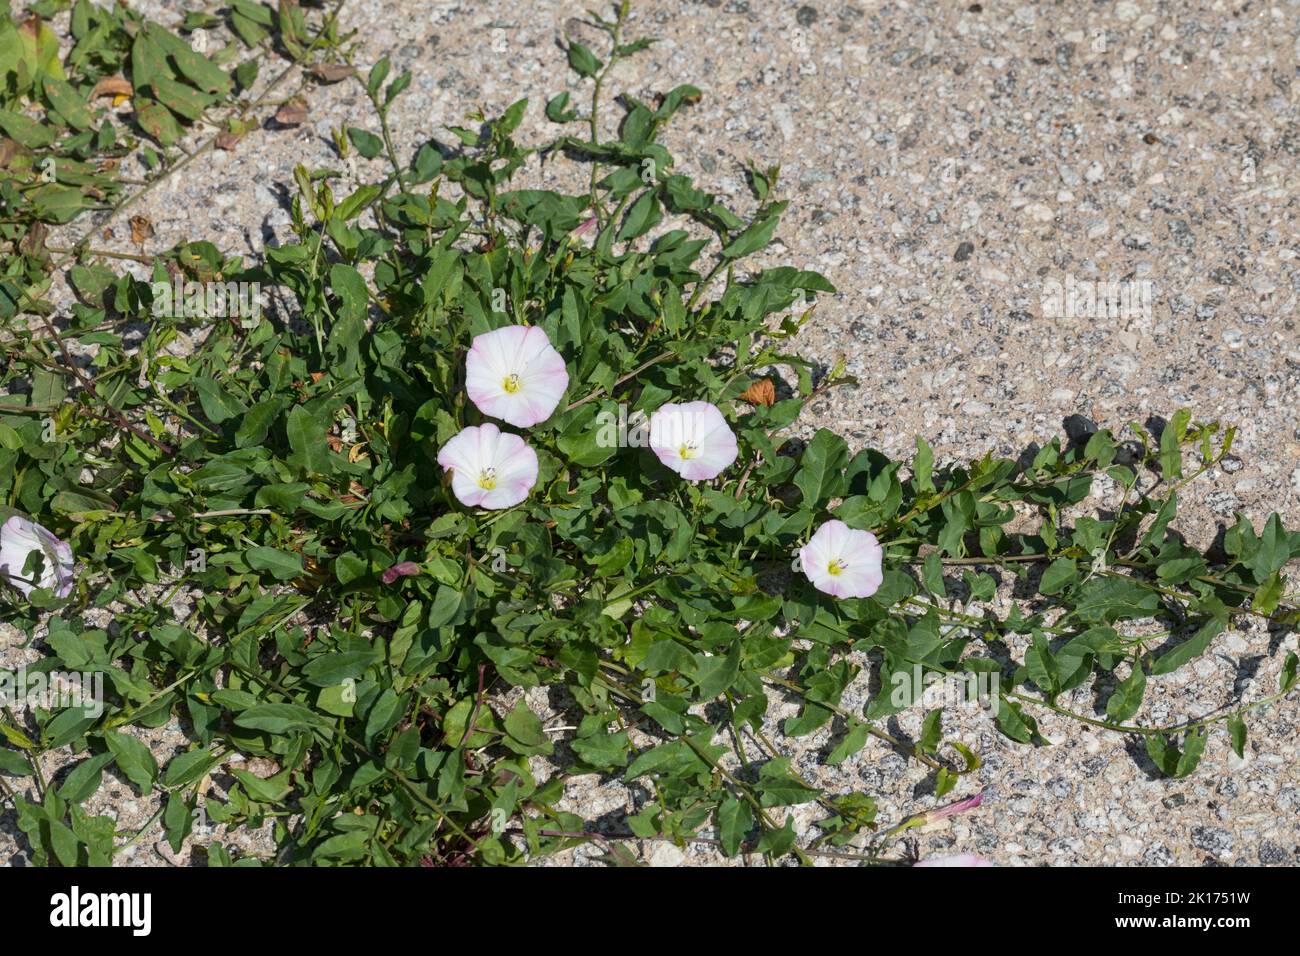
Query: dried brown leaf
x=762, y=392
x=141, y=230
x=292, y=112
x=330, y=72
x=114, y=86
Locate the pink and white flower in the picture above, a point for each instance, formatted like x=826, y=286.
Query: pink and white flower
x=842, y=561
x=489, y=468
x=403, y=569
x=693, y=439
x=515, y=374
x=952, y=809
x=19, y=538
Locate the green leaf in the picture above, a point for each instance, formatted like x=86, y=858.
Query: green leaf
x=1059, y=575
x=778, y=842
x=755, y=236
x=81, y=783
x=278, y=718
x=605, y=751
x=1193, y=747
x=1287, y=679
x=133, y=759
x=583, y=61
x=644, y=215
x=715, y=674
x=821, y=469
x=735, y=819
x=1042, y=665
x=1171, y=453
x=367, y=144
x=1274, y=549
x=525, y=729
x=923, y=466
x=330, y=670
x=1127, y=697
x=1189, y=649
x=68, y=104
x=1269, y=594
x=932, y=575
x=307, y=438
x=13, y=763
x=189, y=767
x=282, y=565
x=178, y=820
x=263, y=789
x=778, y=787
x=1237, y=729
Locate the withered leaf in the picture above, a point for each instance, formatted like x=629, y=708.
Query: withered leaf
x=762, y=392
x=33, y=244
x=141, y=229
x=113, y=86
x=292, y=112
x=330, y=72
x=232, y=134
x=8, y=150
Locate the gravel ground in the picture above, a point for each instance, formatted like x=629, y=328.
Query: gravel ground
x=949, y=165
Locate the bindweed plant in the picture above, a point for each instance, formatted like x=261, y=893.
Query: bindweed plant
x=492, y=438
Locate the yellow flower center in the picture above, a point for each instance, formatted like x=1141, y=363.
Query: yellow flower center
x=487, y=479
x=688, y=451
x=511, y=384
x=836, y=567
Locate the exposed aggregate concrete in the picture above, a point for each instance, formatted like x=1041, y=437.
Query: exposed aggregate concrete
x=946, y=162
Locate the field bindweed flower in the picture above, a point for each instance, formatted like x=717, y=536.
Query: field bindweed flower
x=403, y=569
x=693, y=439
x=489, y=468
x=842, y=561
x=952, y=809
x=515, y=374
x=19, y=537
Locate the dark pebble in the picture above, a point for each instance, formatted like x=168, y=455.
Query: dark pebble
x=1272, y=854
x=1079, y=427
x=1214, y=840
x=1158, y=855
x=963, y=252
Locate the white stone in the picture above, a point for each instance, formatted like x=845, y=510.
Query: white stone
x=665, y=854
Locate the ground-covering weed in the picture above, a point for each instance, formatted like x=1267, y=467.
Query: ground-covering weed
x=355, y=618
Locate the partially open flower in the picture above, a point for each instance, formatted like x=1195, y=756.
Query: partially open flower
x=693, y=439
x=489, y=468
x=403, y=569
x=21, y=537
x=842, y=561
x=515, y=374
x=952, y=809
